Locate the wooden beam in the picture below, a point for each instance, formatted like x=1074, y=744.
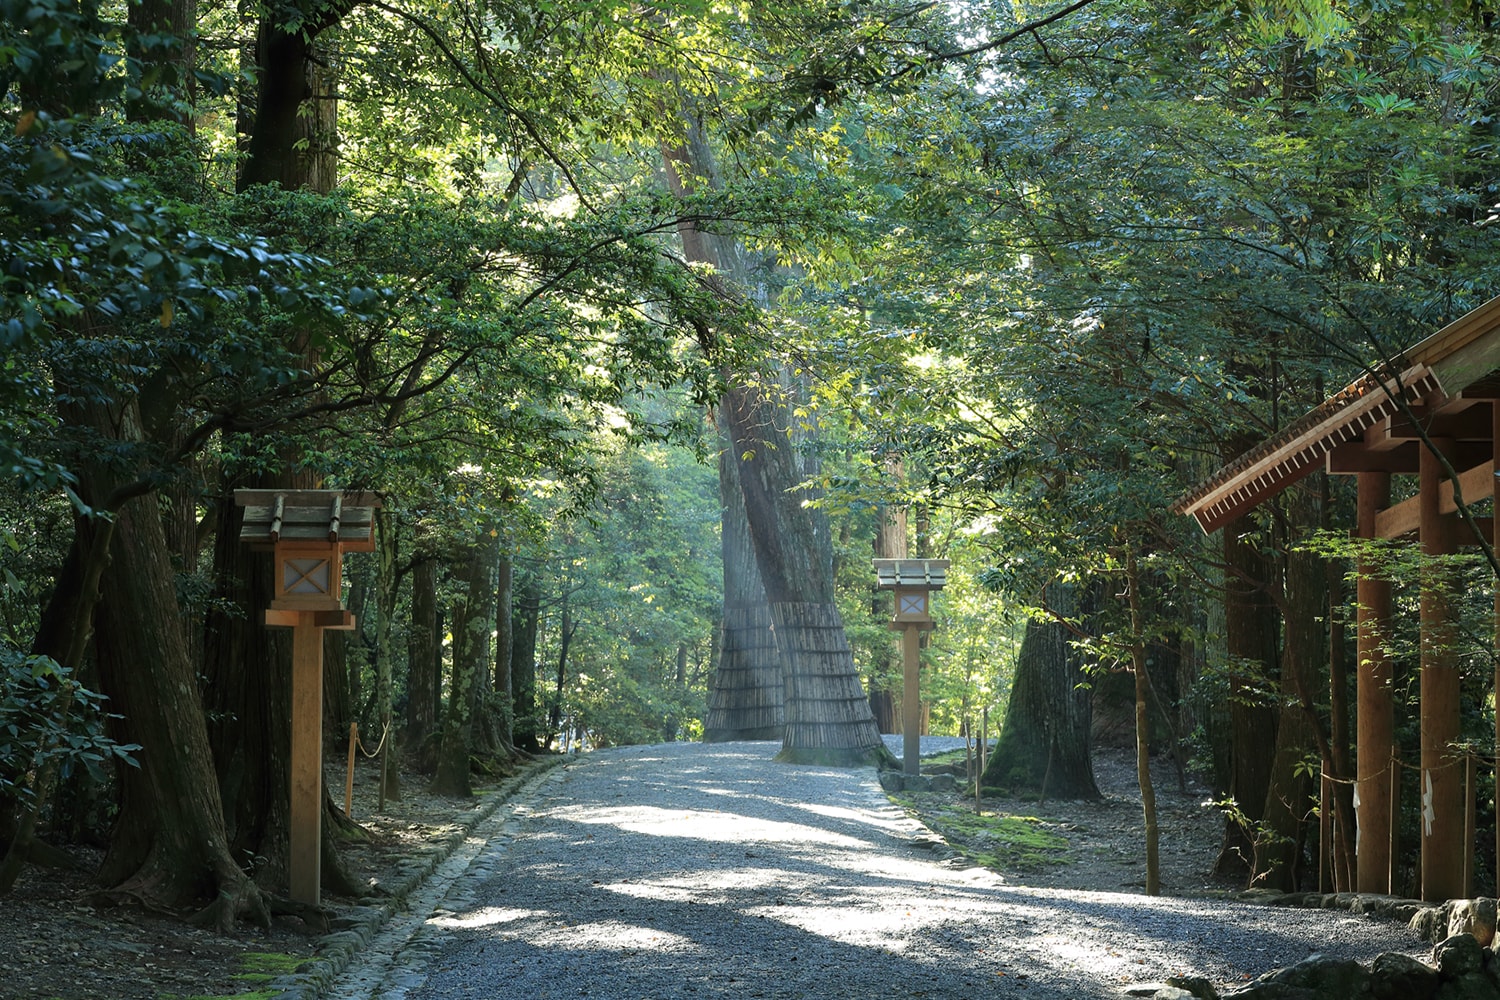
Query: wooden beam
x=911, y=699
x=1404, y=517
x=1375, y=713
x=1440, y=816
x=1471, y=422
x=1402, y=459
x=339, y=621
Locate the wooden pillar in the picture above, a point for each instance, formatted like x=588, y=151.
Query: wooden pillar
x=911, y=699
x=1441, y=787
x=305, y=867
x=1374, y=711
x=1494, y=536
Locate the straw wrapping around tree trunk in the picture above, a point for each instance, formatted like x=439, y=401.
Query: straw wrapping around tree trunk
x=747, y=696
x=826, y=706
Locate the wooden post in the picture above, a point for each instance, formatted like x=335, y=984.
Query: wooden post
x=984, y=739
x=911, y=713
x=349, y=773
x=1393, y=832
x=1375, y=708
x=308, y=532
x=1495, y=534
x=1470, y=819
x=1440, y=789
x=1325, y=831
x=305, y=867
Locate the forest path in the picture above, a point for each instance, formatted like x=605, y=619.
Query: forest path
x=684, y=871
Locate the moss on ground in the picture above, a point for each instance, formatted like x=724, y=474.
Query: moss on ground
x=256, y=967
x=997, y=840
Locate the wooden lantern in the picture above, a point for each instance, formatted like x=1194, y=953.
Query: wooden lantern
x=913, y=581
x=308, y=532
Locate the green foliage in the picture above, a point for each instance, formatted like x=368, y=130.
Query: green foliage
x=49, y=719
x=638, y=576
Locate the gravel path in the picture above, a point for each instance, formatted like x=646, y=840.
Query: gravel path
x=685, y=871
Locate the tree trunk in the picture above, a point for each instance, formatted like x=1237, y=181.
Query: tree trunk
x=1290, y=797
x=341, y=674
x=565, y=634
x=505, y=709
x=890, y=543
x=287, y=144
x=386, y=584
x=747, y=695
x=424, y=653
x=1045, y=741
x=1138, y=670
x=247, y=690
x=170, y=847
x=471, y=626
x=828, y=716
x=1250, y=631
x=527, y=725
x=793, y=549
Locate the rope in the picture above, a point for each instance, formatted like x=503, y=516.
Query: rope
x=371, y=754
x=1458, y=753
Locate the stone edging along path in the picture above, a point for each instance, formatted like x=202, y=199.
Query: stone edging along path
x=354, y=930
x=1465, y=962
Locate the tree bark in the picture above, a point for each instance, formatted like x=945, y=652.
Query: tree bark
x=566, y=630
x=504, y=648
x=1250, y=633
x=1138, y=670
x=170, y=847
x=527, y=724
x=1291, y=794
x=890, y=543
x=284, y=144
x=386, y=584
x=472, y=616
x=424, y=653
x=1044, y=744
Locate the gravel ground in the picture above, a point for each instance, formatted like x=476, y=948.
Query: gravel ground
x=698, y=871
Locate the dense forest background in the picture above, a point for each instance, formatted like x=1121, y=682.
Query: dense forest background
x=1010, y=278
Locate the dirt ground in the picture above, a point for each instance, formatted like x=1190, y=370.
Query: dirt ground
x=56, y=943
x=1106, y=838
x=59, y=945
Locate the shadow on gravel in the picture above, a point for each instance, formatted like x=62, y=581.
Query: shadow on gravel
x=660, y=873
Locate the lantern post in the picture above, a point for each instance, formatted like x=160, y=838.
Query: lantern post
x=307, y=533
x=913, y=581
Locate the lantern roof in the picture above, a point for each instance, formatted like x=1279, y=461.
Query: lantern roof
x=928, y=574
x=333, y=517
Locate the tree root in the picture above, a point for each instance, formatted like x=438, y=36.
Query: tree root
x=314, y=918
x=239, y=897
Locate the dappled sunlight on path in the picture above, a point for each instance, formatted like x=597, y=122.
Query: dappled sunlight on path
x=685, y=871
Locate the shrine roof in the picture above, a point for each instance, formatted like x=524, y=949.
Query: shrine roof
x=1434, y=371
